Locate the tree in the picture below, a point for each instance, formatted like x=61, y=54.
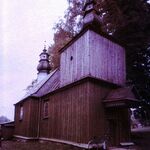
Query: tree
x=66, y=29
x=127, y=21
x=135, y=33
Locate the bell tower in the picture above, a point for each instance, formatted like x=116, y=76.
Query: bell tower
x=43, y=66
x=92, y=53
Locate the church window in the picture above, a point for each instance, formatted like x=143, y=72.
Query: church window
x=21, y=113
x=45, y=112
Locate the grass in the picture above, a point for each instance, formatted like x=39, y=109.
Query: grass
x=140, y=137
x=20, y=145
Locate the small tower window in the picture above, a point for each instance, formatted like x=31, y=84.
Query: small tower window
x=45, y=110
x=21, y=113
x=89, y=7
x=43, y=56
x=71, y=58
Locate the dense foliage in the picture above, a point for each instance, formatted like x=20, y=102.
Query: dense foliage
x=127, y=21
x=66, y=29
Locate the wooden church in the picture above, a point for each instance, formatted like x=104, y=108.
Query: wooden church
x=85, y=97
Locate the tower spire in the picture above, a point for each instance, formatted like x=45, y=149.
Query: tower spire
x=90, y=16
x=43, y=66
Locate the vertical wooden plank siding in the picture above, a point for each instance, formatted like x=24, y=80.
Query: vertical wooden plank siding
x=97, y=116
x=107, y=59
x=34, y=116
x=72, y=70
x=28, y=126
x=93, y=55
x=22, y=126
x=68, y=115
x=76, y=114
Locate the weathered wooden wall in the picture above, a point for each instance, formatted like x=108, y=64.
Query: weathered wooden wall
x=7, y=131
x=75, y=114
x=34, y=117
x=93, y=55
x=22, y=126
x=107, y=59
x=68, y=115
x=72, y=70
x=97, y=93
x=28, y=126
x=114, y=122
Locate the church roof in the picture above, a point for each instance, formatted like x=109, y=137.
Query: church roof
x=124, y=96
x=48, y=84
x=51, y=84
x=120, y=93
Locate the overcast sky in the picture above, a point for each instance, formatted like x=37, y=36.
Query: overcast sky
x=25, y=25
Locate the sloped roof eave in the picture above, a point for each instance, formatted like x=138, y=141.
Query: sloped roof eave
x=101, y=33
x=24, y=99
x=124, y=102
x=33, y=93
x=120, y=99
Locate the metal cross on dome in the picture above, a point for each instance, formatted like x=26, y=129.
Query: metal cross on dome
x=45, y=44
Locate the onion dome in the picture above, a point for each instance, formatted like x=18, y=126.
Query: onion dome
x=44, y=65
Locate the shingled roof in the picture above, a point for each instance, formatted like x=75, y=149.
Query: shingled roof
x=48, y=84
x=121, y=97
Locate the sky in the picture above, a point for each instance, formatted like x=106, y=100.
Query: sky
x=25, y=25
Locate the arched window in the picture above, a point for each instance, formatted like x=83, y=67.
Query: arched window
x=45, y=111
x=21, y=113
